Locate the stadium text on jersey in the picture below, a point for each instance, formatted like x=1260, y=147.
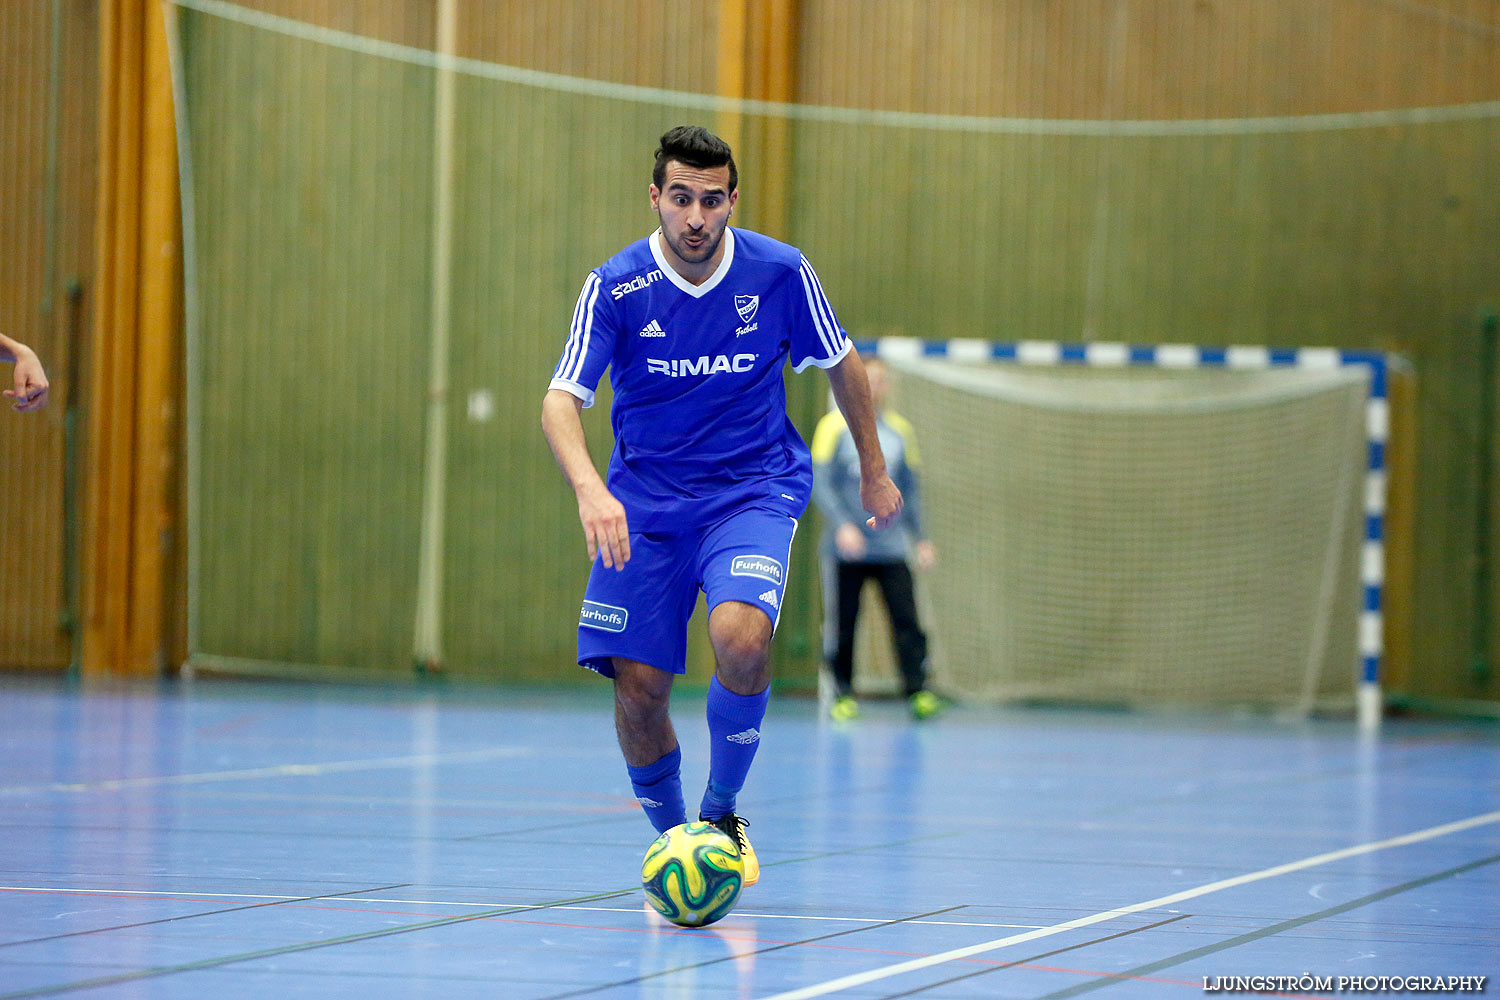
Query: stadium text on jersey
x=635, y=284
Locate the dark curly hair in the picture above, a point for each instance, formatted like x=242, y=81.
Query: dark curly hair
x=694, y=146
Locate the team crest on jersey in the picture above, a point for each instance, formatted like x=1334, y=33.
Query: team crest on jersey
x=746, y=305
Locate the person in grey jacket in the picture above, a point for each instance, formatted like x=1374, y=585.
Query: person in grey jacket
x=851, y=553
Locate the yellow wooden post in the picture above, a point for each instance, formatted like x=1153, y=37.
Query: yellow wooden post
x=131, y=413
x=733, y=35
x=757, y=61
x=778, y=85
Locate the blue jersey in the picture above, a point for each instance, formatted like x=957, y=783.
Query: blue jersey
x=699, y=411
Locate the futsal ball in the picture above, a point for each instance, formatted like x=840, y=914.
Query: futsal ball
x=692, y=874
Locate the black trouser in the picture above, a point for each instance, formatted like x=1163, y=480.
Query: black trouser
x=901, y=604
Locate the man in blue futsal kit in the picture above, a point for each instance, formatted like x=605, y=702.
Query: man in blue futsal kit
x=708, y=475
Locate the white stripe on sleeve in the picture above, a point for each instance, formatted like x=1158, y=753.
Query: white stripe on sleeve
x=571, y=343
x=579, y=332
x=839, y=340
x=822, y=313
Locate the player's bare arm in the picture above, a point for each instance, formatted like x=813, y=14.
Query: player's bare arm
x=605, y=529
x=851, y=390
x=28, y=377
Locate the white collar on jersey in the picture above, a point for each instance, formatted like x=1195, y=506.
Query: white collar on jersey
x=696, y=291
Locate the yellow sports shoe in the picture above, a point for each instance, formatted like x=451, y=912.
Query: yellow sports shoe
x=844, y=709
x=925, y=704
x=734, y=826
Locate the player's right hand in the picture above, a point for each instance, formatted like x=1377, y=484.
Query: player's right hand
x=605, y=528
x=881, y=499
x=30, y=392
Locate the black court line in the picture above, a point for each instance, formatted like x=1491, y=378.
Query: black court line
x=519, y=835
x=1264, y=932
x=288, y=949
x=195, y=916
x=758, y=951
x=1036, y=958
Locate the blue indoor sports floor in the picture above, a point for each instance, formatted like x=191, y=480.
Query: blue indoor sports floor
x=229, y=839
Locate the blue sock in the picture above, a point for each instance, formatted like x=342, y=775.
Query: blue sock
x=658, y=788
x=734, y=734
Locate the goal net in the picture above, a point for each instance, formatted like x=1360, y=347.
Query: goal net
x=1141, y=535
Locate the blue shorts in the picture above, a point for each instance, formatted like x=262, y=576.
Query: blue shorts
x=641, y=611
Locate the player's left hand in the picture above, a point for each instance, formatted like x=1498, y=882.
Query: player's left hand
x=30, y=392
x=880, y=499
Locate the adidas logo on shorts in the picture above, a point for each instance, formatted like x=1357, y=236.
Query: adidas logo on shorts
x=744, y=738
x=770, y=598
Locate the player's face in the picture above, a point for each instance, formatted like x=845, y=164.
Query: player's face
x=694, y=204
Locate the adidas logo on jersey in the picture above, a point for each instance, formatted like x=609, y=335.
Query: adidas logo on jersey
x=653, y=329
x=770, y=598
x=746, y=737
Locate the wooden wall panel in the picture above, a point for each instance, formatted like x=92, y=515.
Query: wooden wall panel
x=405, y=22
x=649, y=43
x=1146, y=59
x=313, y=232
x=46, y=213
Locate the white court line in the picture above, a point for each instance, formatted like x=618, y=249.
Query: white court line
x=275, y=771
x=900, y=968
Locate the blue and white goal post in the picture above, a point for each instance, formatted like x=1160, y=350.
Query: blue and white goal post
x=1368, y=700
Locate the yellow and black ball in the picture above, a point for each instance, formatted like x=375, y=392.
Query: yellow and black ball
x=692, y=874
